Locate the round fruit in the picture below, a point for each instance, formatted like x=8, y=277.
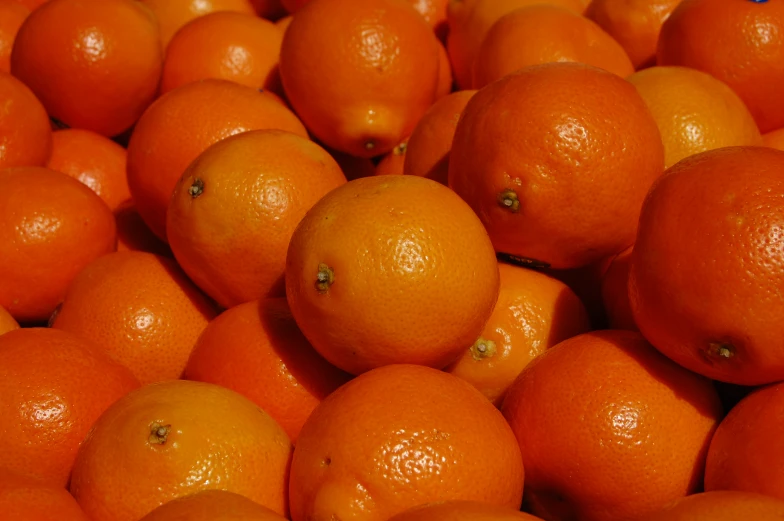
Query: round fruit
x=462, y=511
x=7, y=322
x=708, y=300
x=774, y=139
x=615, y=292
x=174, y=14
x=25, y=131
x=392, y=162
x=391, y=269
x=32, y=500
x=12, y=14
x=724, y=505
x=212, y=505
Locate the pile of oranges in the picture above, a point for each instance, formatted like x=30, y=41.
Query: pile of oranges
x=391, y=260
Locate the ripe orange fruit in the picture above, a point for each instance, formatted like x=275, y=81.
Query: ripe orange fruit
x=615, y=292
x=53, y=386
x=94, y=64
x=434, y=13
x=51, y=226
x=543, y=33
x=774, y=139
x=458, y=510
x=631, y=431
x=635, y=24
x=445, y=78
x=173, y=14
x=134, y=235
x=428, y=148
x=30, y=4
x=25, y=498
x=283, y=23
x=232, y=213
x=212, y=505
x=746, y=454
x=24, y=126
x=171, y=439
x=706, y=299
x=140, y=308
x=392, y=162
x=94, y=160
x=739, y=43
x=548, y=134
x=469, y=22
x=257, y=350
x=533, y=312
x=12, y=14
x=397, y=437
x=723, y=505
x=232, y=46
x=360, y=73
x=7, y=322
x=695, y=112
x=180, y=125
x=391, y=269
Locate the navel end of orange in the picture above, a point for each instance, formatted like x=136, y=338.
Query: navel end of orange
x=324, y=278
x=482, y=349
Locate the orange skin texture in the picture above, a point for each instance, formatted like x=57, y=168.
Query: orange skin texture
x=94, y=64
x=212, y=438
x=25, y=131
x=745, y=453
x=7, y=322
x=232, y=46
x=458, y=510
x=738, y=43
x=556, y=160
x=427, y=152
x=774, y=139
x=469, y=22
x=628, y=447
x=533, y=313
x=401, y=436
x=12, y=14
x=94, y=160
x=695, y=112
x=721, y=505
x=141, y=309
x=257, y=350
x=30, y=4
x=173, y=14
x=392, y=162
x=212, y=505
x=635, y=24
x=414, y=274
x=134, y=235
x=54, y=387
x=712, y=302
x=445, y=78
x=360, y=73
x=51, y=226
x=232, y=238
x=32, y=500
x=545, y=33
x=180, y=125
x=615, y=292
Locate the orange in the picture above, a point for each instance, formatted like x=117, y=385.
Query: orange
x=30, y=4
x=232, y=46
x=609, y=428
x=269, y=9
x=738, y=43
x=746, y=454
x=401, y=436
x=53, y=386
x=708, y=300
x=434, y=13
x=176, y=438
x=94, y=64
x=354, y=167
x=134, y=235
x=469, y=22
x=724, y=505
x=93, y=159
x=180, y=125
x=458, y=510
x=531, y=149
x=25, y=132
x=695, y=112
x=33, y=500
x=774, y=139
x=257, y=350
x=635, y=24
x=7, y=322
x=51, y=226
x=360, y=73
x=140, y=308
x=12, y=14
x=392, y=162
x=543, y=33
x=212, y=505
x=283, y=23
x=232, y=213
x=173, y=14
x=428, y=148
x=533, y=313
x=391, y=269
x=445, y=78
x=615, y=292
x=585, y=281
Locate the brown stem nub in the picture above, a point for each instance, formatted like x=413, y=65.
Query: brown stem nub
x=196, y=188
x=324, y=278
x=509, y=200
x=159, y=433
x=400, y=149
x=723, y=350
x=370, y=144
x=482, y=349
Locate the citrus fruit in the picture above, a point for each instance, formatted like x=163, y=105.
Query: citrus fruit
x=392, y=162
x=774, y=139
x=12, y=14
x=25, y=132
x=25, y=498
x=7, y=322
x=212, y=505
x=724, y=505
x=173, y=14
x=615, y=292
x=458, y=510
x=134, y=235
